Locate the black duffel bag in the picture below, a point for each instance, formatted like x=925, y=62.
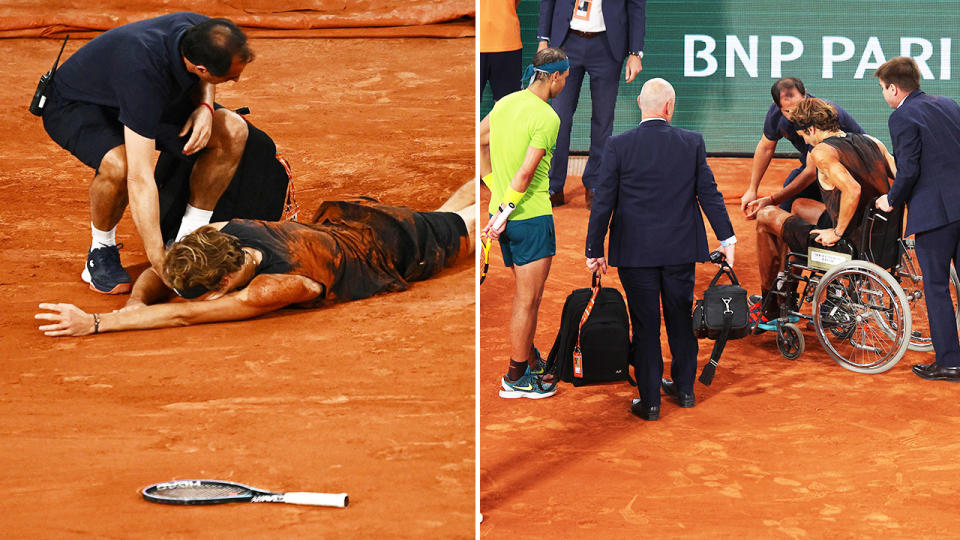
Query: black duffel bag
x=593, y=343
x=721, y=315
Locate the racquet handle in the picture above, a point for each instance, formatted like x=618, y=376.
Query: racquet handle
x=503, y=215
x=339, y=500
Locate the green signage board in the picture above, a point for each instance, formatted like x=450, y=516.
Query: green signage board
x=722, y=56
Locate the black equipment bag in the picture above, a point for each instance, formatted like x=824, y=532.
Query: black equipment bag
x=880, y=233
x=721, y=315
x=603, y=332
x=261, y=188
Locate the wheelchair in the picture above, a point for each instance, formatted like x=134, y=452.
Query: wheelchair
x=866, y=299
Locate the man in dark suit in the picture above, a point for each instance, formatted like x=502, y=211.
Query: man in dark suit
x=654, y=180
x=597, y=36
x=925, y=131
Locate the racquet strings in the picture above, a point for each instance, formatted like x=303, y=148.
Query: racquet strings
x=203, y=491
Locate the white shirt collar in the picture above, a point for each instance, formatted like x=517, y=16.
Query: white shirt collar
x=902, y=100
x=649, y=119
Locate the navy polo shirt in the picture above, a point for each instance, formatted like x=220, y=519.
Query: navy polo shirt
x=136, y=68
x=776, y=127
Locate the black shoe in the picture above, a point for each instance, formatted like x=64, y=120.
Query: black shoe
x=588, y=196
x=924, y=367
x=104, y=272
x=643, y=411
x=936, y=372
x=671, y=389
x=556, y=199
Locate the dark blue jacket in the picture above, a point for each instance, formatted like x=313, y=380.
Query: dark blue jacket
x=654, y=180
x=624, y=19
x=925, y=132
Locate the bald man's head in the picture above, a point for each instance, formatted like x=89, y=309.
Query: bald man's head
x=654, y=97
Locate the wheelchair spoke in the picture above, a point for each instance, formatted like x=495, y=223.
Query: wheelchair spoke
x=859, y=317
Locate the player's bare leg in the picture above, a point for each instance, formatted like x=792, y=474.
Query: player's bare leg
x=108, y=191
x=108, y=198
x=463, y=197
x=808, y=209
x=219, y=159
x=770, y=247
x=530, y=280
x=469, y=217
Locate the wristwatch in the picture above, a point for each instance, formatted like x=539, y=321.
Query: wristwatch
x=638, y=54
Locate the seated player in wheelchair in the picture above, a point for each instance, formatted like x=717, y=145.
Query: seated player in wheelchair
x=852, y=170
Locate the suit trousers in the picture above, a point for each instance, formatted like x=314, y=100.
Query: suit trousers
x=935, y=250
x=591, y=56
x=646, y=287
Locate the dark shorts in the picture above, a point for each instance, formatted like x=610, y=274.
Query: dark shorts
x=528, y=240
x=796, y=231
x=383, y=248
x=441, y=238
x=89, y=131
x=810, y=192
x=503, y=70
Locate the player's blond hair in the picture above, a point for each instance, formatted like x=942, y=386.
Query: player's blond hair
x=203, y=257
x=817, y=113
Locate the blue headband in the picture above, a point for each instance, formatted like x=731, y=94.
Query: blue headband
x=550, y=67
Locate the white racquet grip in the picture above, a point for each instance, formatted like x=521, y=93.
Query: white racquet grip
x=339, y=500
x=504, y=214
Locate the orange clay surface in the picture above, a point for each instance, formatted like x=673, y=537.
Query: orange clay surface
x=374, y=398
x=773, y=449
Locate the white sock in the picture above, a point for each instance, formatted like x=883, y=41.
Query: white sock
x=193, y=219
x=103, y=238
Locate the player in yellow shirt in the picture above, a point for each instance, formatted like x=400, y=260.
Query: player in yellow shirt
x=516, y=144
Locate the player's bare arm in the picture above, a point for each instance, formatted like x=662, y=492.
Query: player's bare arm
x=265, y=293
x=147, y=290
x=520, y=182
x=142, y=189
x=762, y=156
x=483, y=141
x=200, y=124
x=886, y=155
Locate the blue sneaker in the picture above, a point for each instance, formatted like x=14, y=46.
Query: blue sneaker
x=541, y=365
x=104, y=272
x=527, y=386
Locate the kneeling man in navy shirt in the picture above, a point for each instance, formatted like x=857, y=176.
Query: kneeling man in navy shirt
x=139, y=88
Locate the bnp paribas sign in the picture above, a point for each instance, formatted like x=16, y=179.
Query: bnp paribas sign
x=772, y=56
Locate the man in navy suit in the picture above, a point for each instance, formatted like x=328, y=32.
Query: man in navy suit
x=925, y=131
x=654, y=180
x=596, y=35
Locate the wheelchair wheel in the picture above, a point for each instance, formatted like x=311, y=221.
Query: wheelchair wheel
x=910, y=276
x=862, y=317
x=790, y=341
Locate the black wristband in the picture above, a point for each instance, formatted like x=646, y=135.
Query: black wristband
x=96, y=323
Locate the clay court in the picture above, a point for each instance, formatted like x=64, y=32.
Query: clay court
x=773, y=449
x=374, y=398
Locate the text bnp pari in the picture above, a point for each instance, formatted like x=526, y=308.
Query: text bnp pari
x=702, y=54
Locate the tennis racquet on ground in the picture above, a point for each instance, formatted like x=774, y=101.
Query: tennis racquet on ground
x=194, y=492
